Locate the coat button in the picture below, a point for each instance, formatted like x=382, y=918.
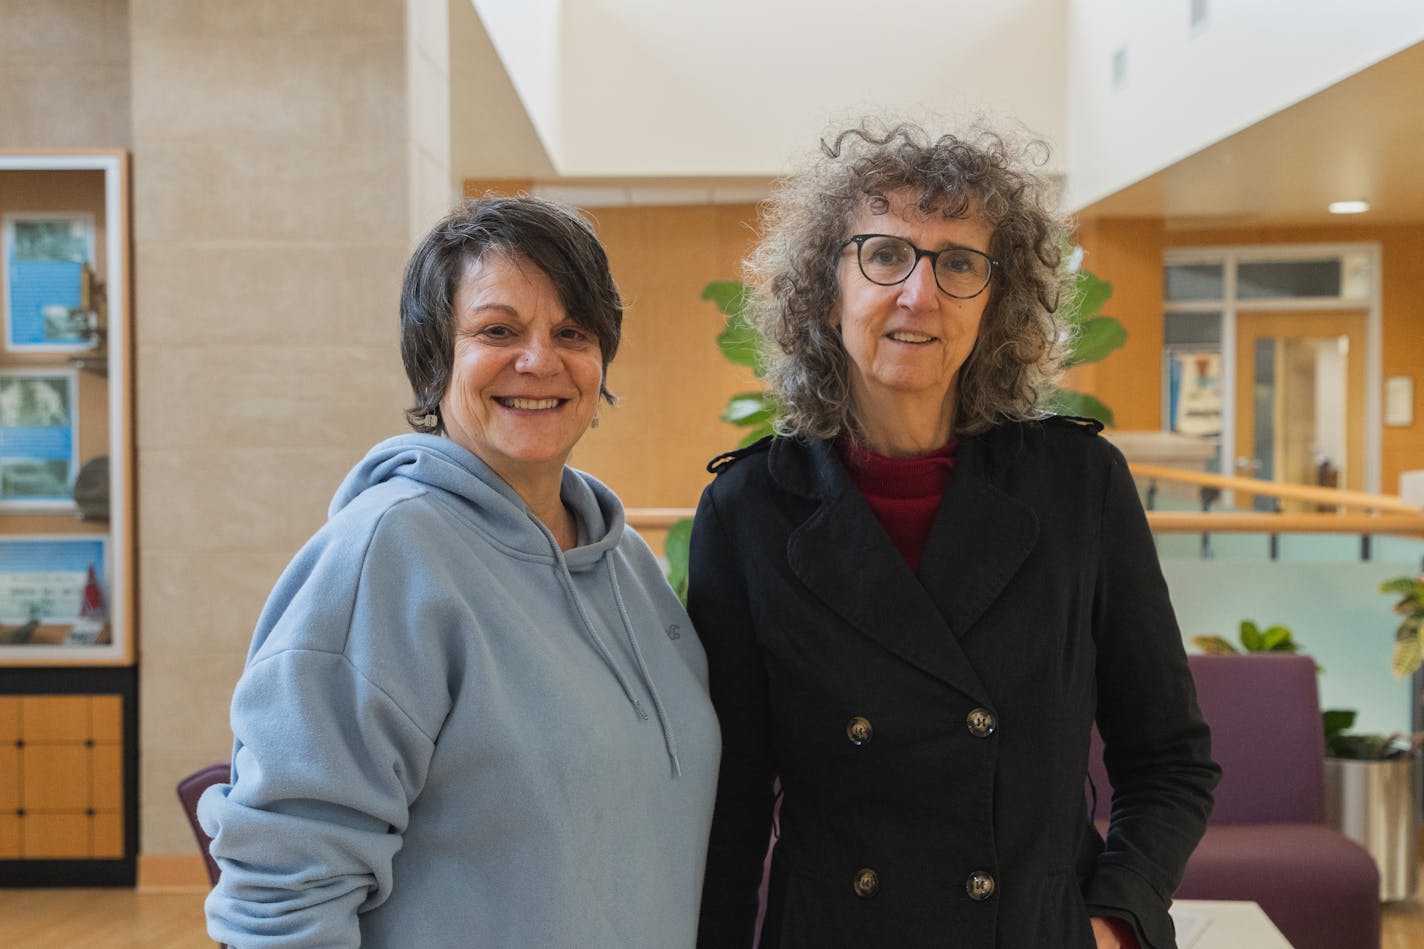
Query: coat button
x=981, y=722
x=858, y=730
x=979, y=886
x=867, y=883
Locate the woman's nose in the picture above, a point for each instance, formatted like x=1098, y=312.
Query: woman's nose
x=919, y=289
x=537, y=358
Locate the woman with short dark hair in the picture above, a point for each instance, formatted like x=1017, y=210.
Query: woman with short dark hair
x=468, y=716
x=917, y=598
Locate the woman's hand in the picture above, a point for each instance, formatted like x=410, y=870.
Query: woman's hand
x=1113, y=933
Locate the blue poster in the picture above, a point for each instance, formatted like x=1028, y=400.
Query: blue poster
x=47, y=579
x=38, y=455
x=45, y=258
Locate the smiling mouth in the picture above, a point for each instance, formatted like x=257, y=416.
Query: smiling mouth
x=529, y=404
x=903, y=336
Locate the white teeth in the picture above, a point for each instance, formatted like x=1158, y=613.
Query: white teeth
x=904, y=337
x=529, y=403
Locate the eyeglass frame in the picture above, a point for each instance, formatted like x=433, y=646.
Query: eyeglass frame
x=995, y=265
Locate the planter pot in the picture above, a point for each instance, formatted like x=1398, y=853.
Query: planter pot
x=1372, y=803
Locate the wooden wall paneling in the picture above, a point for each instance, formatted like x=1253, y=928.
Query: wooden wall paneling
x=1128, y=254
x=671, y=379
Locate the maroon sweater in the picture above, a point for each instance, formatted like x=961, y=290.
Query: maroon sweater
x=903, y=493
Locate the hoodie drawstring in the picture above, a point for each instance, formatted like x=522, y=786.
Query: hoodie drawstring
x=566, y=581
x=561, y=567
x=643, y=669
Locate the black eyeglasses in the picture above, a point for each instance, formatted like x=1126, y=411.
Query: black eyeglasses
x=885, y=260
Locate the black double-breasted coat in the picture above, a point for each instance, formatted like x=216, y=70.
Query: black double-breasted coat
x=930, y=731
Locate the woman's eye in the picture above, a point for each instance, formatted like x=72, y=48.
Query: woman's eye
x=497, y=332
x=958, y=263
x=573, y=334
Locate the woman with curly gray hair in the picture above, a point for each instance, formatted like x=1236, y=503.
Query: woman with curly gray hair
x=921, y=595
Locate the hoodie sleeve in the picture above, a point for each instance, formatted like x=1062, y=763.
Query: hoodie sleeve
x=1157, y=748
x=326, y=760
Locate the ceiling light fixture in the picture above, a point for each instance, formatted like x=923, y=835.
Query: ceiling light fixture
x=1349, y=207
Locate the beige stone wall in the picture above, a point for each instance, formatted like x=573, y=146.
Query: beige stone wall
x=64, y=69
x=272, y=218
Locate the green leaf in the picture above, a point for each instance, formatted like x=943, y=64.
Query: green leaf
x=1408, y=656
x=1089, y=295
x=1096, y=338
x=1251, y=637
x=1338, y=720
x=749, y=408
x=1404, y=586
x=676, y=548
x=1069, y=402
x=729, y=295
x=738, y=341
x=1277, y=639
x=756, y=435
x=1214, y=645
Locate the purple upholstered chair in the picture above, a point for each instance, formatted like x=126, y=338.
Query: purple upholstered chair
x=1267, y=840
x=189, y=790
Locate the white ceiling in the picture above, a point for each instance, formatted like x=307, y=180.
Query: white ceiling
x=1361, y=139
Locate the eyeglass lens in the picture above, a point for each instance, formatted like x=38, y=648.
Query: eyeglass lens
x=960, y=272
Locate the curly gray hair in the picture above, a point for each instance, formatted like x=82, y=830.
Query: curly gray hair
x=792, y=272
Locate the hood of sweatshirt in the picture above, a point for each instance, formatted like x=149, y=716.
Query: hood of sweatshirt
x=440, y=463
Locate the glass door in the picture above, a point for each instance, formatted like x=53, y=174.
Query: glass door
x=1300, y=400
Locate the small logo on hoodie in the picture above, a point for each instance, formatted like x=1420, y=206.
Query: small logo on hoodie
x=674, y=631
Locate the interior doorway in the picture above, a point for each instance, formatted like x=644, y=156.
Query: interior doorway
x=1300, y=400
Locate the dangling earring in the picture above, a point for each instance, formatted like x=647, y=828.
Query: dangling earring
x=594, y=423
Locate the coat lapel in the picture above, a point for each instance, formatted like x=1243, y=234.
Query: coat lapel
x=980, y=538
x=845, y=558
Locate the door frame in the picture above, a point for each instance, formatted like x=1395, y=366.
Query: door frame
x=1367, y=299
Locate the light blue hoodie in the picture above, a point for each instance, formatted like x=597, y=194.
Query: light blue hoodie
x=450, y=733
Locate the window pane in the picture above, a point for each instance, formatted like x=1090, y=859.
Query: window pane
x=1194, y=282
x=1191, y=328
x=1293, y=278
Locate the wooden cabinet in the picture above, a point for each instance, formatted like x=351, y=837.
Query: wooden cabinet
x=68, y=776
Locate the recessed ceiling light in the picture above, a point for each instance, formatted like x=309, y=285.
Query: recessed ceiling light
x=1349, y=207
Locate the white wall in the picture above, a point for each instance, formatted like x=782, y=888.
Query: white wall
x=491, y=135
x=526, y=35
x=1186, y=88
x=650, y=88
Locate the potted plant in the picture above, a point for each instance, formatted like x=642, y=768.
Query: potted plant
x=1371, y=780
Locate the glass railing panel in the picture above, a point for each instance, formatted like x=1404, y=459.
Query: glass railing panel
x=1334, y=609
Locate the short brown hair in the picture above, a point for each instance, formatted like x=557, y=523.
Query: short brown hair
x=551, y=236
